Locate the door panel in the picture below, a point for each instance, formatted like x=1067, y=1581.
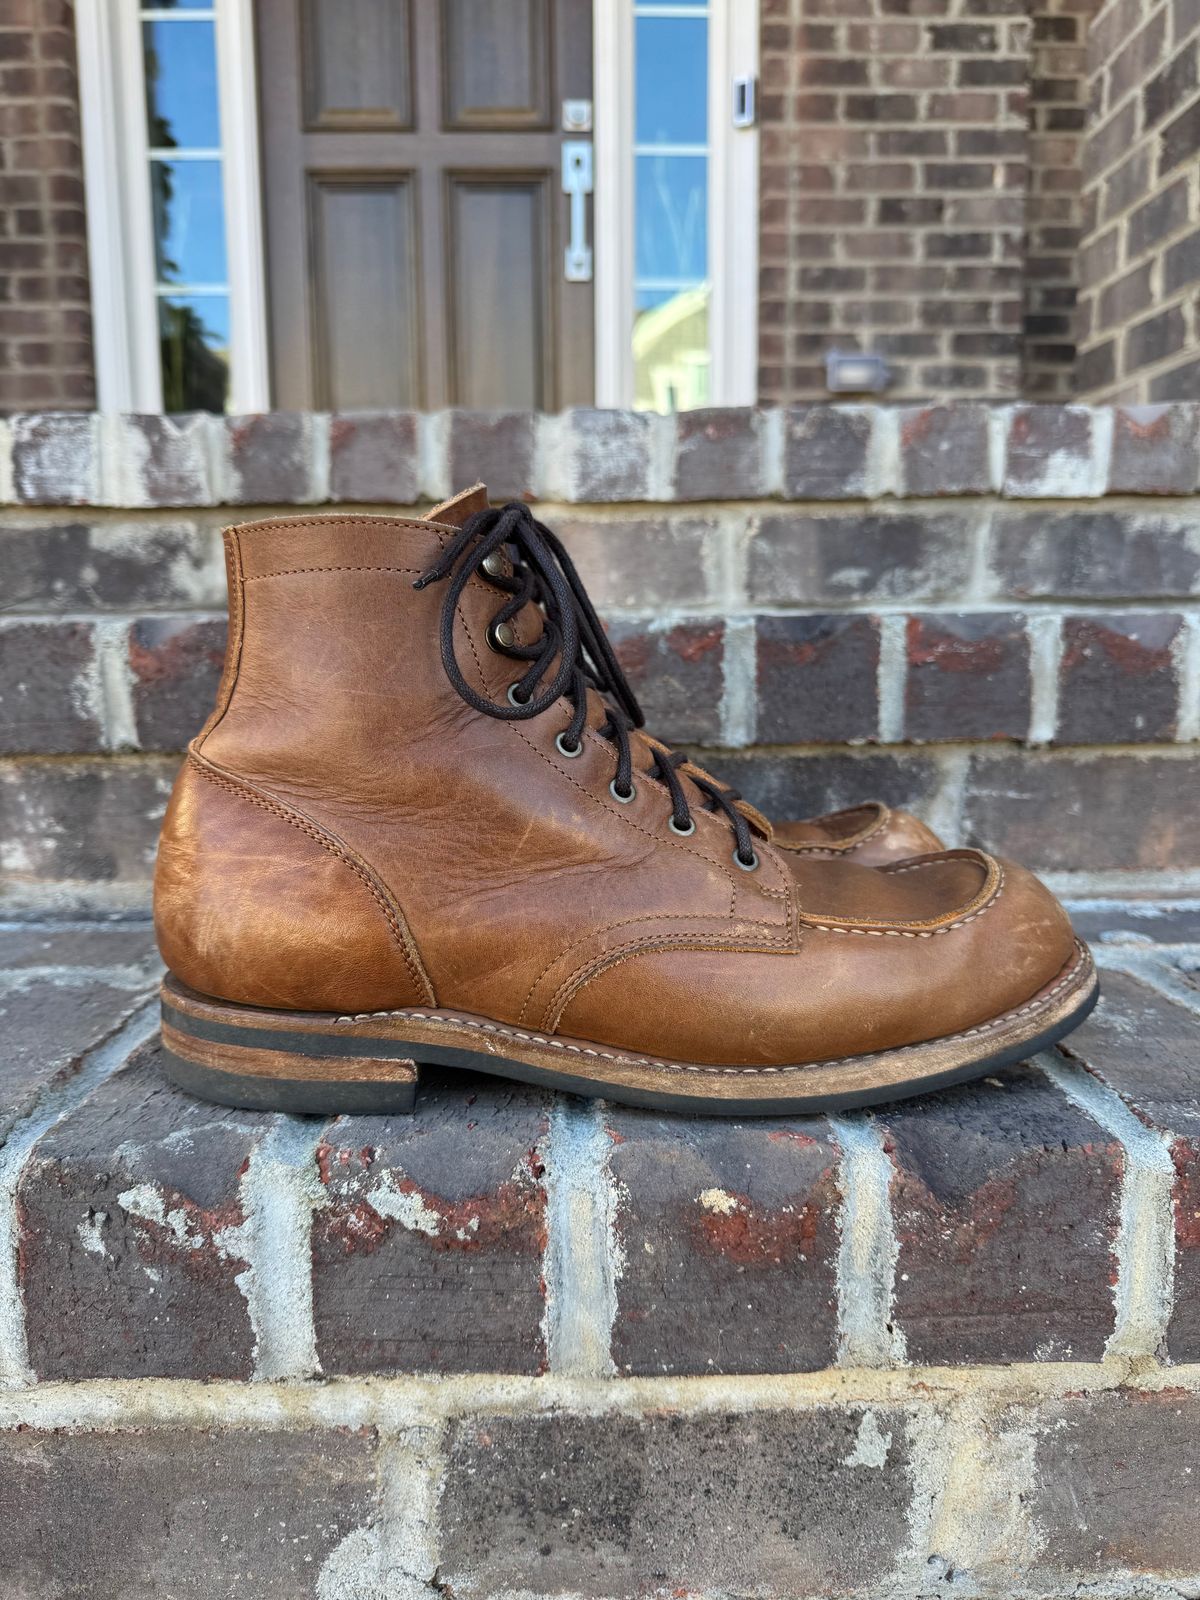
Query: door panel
x=364, y=254
x=496, y=64
x=357, y=63
x=416, y=223
x=496, y=257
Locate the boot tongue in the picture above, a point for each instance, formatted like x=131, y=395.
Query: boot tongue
x=460, y=507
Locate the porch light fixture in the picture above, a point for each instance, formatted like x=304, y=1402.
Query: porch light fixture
x=855, y=372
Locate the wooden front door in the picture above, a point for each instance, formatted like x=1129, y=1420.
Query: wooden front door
x=415, y=214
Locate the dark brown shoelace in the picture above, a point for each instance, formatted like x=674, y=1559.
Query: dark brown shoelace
x=544, y=575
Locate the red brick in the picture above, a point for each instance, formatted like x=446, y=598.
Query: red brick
x=968, y=676
x=677, y=672
x=1022, y=1193
x=729, y=1238
x=1118, y=680
x=427, y=1220
x=817, y=678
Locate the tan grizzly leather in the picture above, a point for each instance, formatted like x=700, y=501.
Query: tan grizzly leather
x=254, y=899
x=513, y=885
x=872, y=834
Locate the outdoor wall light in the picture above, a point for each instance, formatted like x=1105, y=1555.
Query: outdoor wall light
x=855, y=372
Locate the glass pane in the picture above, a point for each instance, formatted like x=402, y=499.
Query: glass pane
x=671, y=225
x=194, y=338
x=181, y=85
x=670, y=349
x=189, y=5
x=189, y=221
x=672, y=80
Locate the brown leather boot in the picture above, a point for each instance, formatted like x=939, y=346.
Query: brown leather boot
x=422, y=826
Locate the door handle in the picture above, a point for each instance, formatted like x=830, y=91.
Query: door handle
x=577, y=183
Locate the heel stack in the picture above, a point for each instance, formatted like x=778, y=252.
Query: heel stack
x=277, y=1060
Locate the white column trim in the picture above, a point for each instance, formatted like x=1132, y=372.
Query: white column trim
x=249, y=357
x=732, y=208
x=612, y=93
x=120, y=230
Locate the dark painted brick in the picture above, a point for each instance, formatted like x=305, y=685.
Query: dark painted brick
x=817, y=678
x=91, y=821
x=610, y=453
x=130, y=1244
x=1181, y=264
x=373, y=457
x=718, y=455
x=429, y=1221
x=1057, y=812
x=106, y=565
x=968, y=676
x=49, y=688
x=1096, y=555
x=494, y=448
x=187, y=1512
x=1049, y=451
x=55, y=459
x=1147, y=1048
x=1156, y=449
x=271, y=458
x=767, y=1503
x=643, y=563
x=1153, y=340
x=791, y=787
x=1117, y=677
x=944, y=450
x=1165, y=212
x=835, y=557
x=1177, y=383
x=678, y=674
x=176, y=665
x=826, y=451
x=1115, y=1486
x=47, y=1024
x=1021, y=1191
x=730, y=1238
x=170, y=456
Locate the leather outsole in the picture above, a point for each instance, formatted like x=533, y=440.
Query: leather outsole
x=314, y=1063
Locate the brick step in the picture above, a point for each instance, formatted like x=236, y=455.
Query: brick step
x=519, y=1344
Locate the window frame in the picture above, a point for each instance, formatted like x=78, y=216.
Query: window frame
x=732, y=204
x=116, y=158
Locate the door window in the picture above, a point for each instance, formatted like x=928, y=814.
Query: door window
x=183, y=138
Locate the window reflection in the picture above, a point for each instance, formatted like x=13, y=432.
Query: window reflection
x=671, y=177
x=183, y=131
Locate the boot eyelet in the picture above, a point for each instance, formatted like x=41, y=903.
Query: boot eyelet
x=514, y=699
x=501, y=636
x=568, y=750
x=684, y=833
x=624, y=799
x=493, y=564
x=746, y=866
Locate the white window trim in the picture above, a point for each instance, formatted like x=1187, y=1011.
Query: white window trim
x=732, y=204
x=119, y=215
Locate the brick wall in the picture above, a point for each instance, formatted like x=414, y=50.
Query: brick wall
x=1053, y=206
x=45, y=315
x=990, y=615
x=520, y=1344
x=895, y=156
x=1140, y=266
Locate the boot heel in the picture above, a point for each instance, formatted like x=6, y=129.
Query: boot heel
x=276, y=1060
